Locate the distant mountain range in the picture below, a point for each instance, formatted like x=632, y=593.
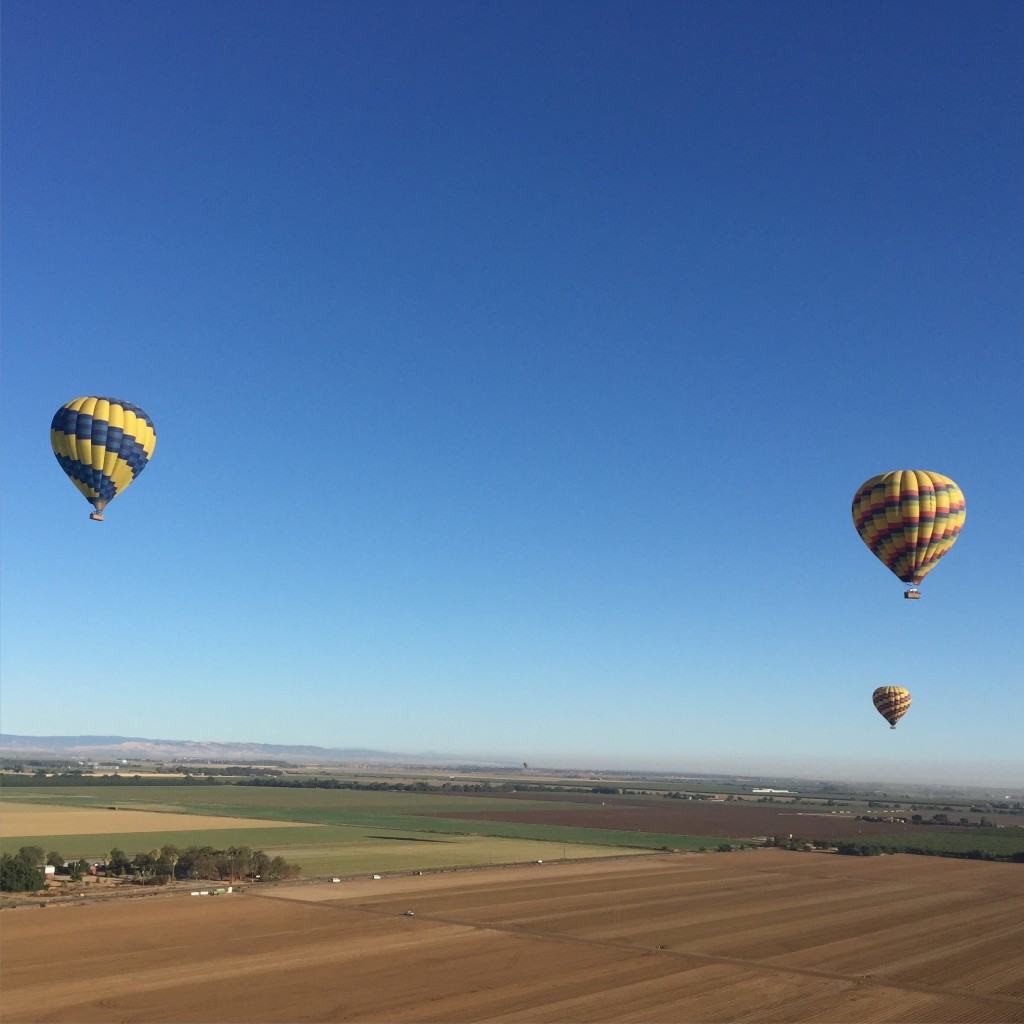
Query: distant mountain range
x=140, y=748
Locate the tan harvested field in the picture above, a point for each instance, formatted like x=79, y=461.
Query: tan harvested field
x=24, y=819
x=764, y=936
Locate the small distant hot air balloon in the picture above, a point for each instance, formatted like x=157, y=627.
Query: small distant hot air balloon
x=892, y=703
x=909, y=518
x=102, y=444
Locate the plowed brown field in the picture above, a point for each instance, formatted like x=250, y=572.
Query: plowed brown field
x=764, y=936
x=679, y=817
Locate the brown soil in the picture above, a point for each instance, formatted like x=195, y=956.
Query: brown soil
x=763, y=936
x=733, y=819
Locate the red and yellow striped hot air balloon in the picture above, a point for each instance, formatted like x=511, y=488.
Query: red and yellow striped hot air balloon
x=909, y=518
x=892, y=703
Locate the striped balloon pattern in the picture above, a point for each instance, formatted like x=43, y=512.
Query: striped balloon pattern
x=909, y=518
x=892, y=703
x=102, y=444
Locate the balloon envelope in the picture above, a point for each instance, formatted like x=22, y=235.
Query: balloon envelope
x=909, y=518
x=891, y=702
x=102, y=444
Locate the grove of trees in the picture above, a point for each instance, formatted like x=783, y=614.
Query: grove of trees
x=22, y=871
x=235, y=864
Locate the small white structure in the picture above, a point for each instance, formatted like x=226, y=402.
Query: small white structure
x=335, y=879
x=377, y=877
x=49, y=870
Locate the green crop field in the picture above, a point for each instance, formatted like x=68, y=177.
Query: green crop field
x=1001, y=842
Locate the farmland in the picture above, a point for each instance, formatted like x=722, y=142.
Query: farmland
x=718, y=819
x=18, y=818
x=651, y=823
x=763, y=935
x=407, y=812
x=330, y=849
x=87, y=829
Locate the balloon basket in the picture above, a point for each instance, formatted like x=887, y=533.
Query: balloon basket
x=912, y=595
x=97, y=516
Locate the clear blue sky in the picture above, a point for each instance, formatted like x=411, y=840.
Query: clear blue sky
x=513, y=367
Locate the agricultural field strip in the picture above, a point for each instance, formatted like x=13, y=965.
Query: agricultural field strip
x=657, y=906
x=755, y=965
x=808, y=908
x=361, y=808
x=314, y=805
x=586, y=981
x=978, y=926
x=695, y=879
x=976, y=929
x=756, y=926
x=742, y=821
x=253, y=801
x=61, y=994
x=818, y=939
x=659, y=997
x=428, y=823
x=633, y=988
x=16, y=819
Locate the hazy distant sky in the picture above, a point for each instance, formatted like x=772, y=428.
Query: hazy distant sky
x=513, y=366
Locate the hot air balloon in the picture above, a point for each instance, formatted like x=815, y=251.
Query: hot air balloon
x=102, y=444
x=909, y=518
x=892, y=703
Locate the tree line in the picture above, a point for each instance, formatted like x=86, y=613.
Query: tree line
x=23, y=871
x=235, y=864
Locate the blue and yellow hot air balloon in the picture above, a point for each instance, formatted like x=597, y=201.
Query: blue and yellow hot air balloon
x=909, y=518
x=102, y=444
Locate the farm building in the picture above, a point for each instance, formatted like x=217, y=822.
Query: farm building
x=93, y=865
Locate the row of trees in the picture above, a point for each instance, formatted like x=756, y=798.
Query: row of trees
x=236, y=863
x=23, y=871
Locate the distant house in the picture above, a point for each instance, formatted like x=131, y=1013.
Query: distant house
x=759, y=790
x=93, y=865
x=49, y=870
